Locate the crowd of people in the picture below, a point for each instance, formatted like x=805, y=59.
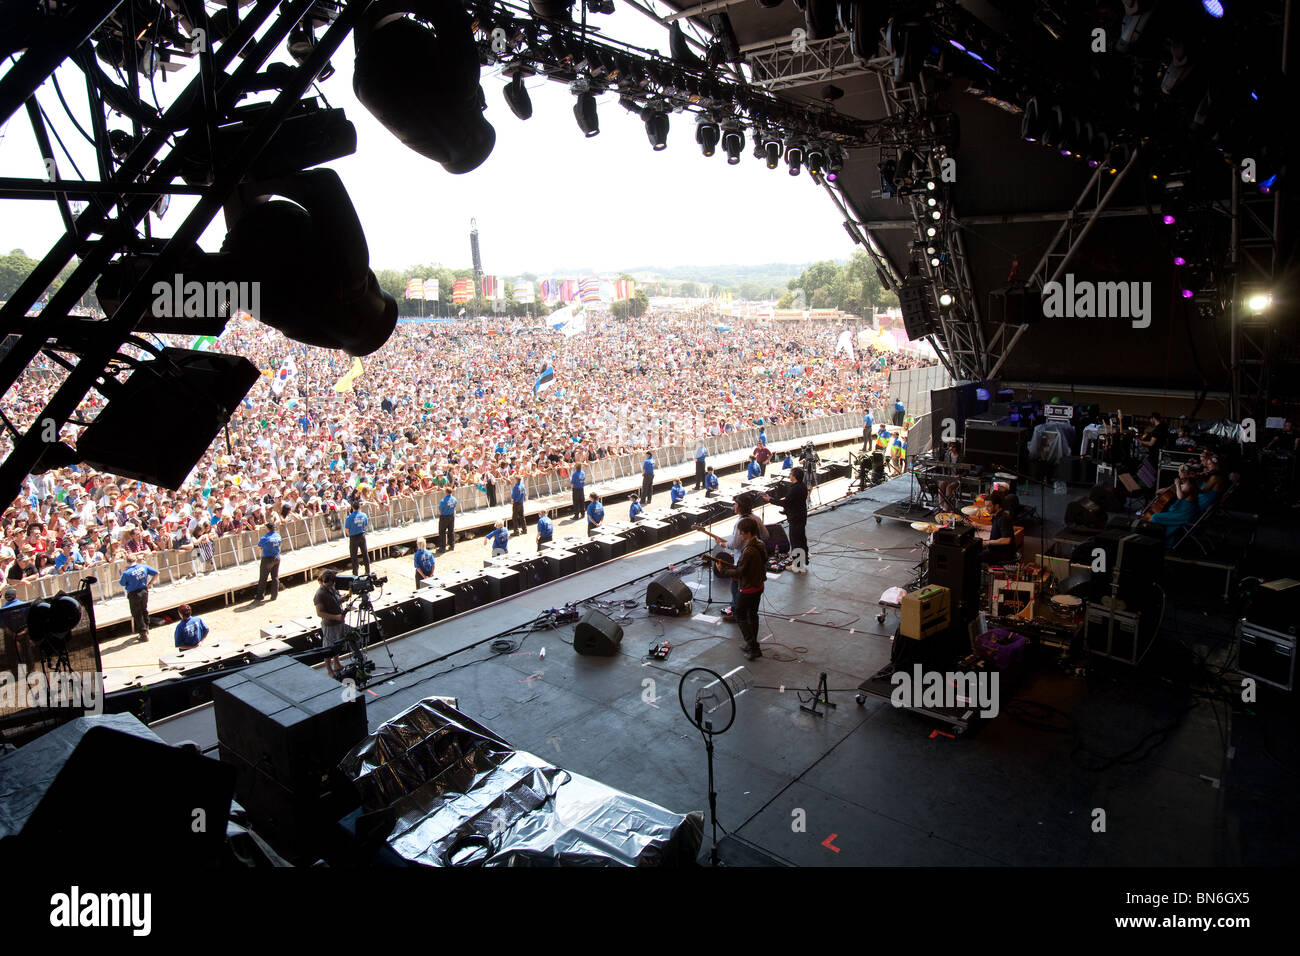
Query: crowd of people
x=440, y=406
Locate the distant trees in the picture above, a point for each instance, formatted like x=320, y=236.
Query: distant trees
x=853, y=287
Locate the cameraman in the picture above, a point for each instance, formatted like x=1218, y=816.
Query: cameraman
x=329, y=608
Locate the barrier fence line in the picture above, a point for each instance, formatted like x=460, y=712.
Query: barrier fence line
x=301, y=533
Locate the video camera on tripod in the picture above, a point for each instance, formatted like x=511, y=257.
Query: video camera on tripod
x=360, y=583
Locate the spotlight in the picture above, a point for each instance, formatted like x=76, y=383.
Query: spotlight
x=656, y=129
x=816, y=160
x=707, y=134
x=1213, y=7
x=931, y=201
x=934, y=262
x=1259, y=302
x=1030, y=124
x=120, y=142
x=936, y=214
x=733, y=143
x=1179, y=261
x=794, y=154
x=1168, y=219
x=772, y=152
x=1188, y=293
x=584, y=111
x=945, y=298
x=834, y=164
x=517, y=98
x=423, y=84
x=931, y=231
x=931, y=185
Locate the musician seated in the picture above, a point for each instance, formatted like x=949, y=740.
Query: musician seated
x=1001, y=545
x=1184, y=507
x=1213, y=481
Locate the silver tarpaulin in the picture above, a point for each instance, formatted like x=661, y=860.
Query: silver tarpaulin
x=461, y=795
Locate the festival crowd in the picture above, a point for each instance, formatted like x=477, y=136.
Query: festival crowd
x=440, y=405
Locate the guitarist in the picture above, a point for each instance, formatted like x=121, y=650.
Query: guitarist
x=743, y=509
x=748, y=576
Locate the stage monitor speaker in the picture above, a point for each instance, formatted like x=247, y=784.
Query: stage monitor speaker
x=777, y=542
x=668, y=593
x=916, y=300
x=118, y=796
x=957, y=568
x=179, y=403
x=597, y=635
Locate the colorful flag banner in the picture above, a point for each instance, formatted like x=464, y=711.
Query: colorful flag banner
x=431, y=288
x=288, y=372
x=462, y=291
x=350, y=376
x=568, y=290
x=490, y=287
x=624, y=288
x=524, y=292
x=415, y=289
x=589, y=290
x=545, y=380
x=203, y=343
x=569, y=321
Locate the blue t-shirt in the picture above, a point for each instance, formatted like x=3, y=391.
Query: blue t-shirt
x=868, y=420
x=711, y=482
x=447, y=505
x=517, y=493
x=788, y=463
x=544, y=528
x=754, y=469
x=499, y=537
x=701, y=453
x=677, y=493
x=578, y=479
x=356, y=523
x=595, y=512
x=635, y=511
x=648, y=466
x=136, y=577
x=270, y=544
x=189, y=632
x=424, y=561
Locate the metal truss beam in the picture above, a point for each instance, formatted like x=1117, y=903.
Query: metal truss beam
x=1254, y=255
x=780, y=65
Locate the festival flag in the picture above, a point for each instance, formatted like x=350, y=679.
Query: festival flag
x=415, y=289
x=550, y=290
x=545, y=380
x=462, y=291
x=350, y=376
x=431, y=288
x=624, y=288
x=288, y=372
x=524, y=292
x=589, y=290
x=845, y=344
x=569, y=321
x=203, y=343
x=568, y=291
x=490, y=287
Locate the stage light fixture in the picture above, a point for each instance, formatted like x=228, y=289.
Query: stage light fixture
x=584, y=111
x=707, y=134
x=931, y=201
x=733, y=143
x=1213, y=7
x=834, y=164
x=1030, y=123
x=816, y=160
x=931, y=231
x=945, y=298
x=794, y=154
x=1188, y=293
x=1259, y=302
x=423, y=84
x=301, y=42
x=517, y=98
x=1179, y=261
x=1168, y=219
x=552, y=9
x=772, y=149
x=934, y=262
x=656, y=129
x=936, y=215
x=931, y=185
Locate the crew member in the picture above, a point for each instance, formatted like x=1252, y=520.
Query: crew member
x=447, y=522
x=750, y=574
x=136, y=580
x=578, y=481
x=648, y=478
x=545, y=528
x=270, y=566
x=677, y=494
x=595, y=514
x=424, y=562
x=762, y=455
x=701, y=453
x=899, y=412
x=518, y=495
x=710, y=483
x=787, y=462
x=191, y=630
x=357, y=524
x=498, y=538
x=329, y=608
x=634, y=511
x=795, y=507
x=752, y=470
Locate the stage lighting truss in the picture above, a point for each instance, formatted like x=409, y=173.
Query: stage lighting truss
x=204, y=143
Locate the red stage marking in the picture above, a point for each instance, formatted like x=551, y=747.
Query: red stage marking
x=829, y=841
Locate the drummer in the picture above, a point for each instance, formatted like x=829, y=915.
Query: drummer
x=950, y=488
x=1001, y=545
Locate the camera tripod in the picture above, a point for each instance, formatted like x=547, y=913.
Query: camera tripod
x=357, y=637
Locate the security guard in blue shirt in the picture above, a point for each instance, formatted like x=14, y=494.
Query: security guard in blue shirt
x=753, y=470
x=701, y=453
x=447, y=522
x=635, y=511
x=518, y=495
x=578, y=481
x=710, y=484
x=787, y=462
x=647, y=478
x=595, y=514
x=545, y=529
x=356, y=524
x=136, y=580
x=423, y=561
x=498, y=539
x=677, y=494
x=270, y=567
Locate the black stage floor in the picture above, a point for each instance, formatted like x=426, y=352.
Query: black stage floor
x=1124, y=766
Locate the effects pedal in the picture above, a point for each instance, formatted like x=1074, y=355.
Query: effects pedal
x=660, y=651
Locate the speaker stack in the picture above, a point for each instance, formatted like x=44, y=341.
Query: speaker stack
x=597, y=635
x=955, y=565
x=668, y=595
x=916, y=301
